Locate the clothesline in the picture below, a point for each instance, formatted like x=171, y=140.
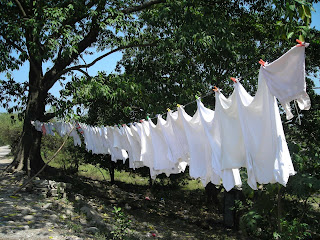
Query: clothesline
x=208, y=94
x=242, y=132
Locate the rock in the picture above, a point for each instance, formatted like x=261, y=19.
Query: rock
x=92, y=230
x=54, y=192
x=26, y=227
x=47, y=205
x=93, y=215
x=69, y=212
x=127, y=206
x=25, y=211
x=78, y=197
x=28, y=217
x=49, y=224
x=52, y=184
x=83, y=221
x=53, y=217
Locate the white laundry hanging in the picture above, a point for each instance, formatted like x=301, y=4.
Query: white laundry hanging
x=230, y=176
x=199, y=147
x=267, y=155
x=285, y=78
x=243, y=131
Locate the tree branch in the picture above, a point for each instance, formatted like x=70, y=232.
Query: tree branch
x=103, y=56
x=21, y=8
x=12, y=44
x=47, y=117
x=60, y=64
x=141, y=7
x=70, y=21
x=84, y=72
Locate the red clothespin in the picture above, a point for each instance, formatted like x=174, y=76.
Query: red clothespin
x=141, y=121
x=262, y=62
x=44, y=131
x=215, y=89
x=233, y=79
x=300, y=43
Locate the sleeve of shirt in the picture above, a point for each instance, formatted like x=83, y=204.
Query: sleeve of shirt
x=285, y=78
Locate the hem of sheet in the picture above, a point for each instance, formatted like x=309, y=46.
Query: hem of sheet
x=303, y=100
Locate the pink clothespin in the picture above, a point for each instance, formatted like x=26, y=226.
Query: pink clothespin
x=141, y=121
x=262, y=62
x=233, y=79
x=301, y=44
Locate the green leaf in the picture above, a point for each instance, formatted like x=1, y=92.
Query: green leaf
x=301, y=12
x=307, y=11
x=301, y=38
x=289, y=35
x=292, y=7
x=302, y=2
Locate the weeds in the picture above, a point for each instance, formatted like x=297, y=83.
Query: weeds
x=122, y=223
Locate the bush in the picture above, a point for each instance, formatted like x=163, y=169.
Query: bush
x=10, y=129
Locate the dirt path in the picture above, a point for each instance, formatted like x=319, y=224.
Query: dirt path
x=27, y=215
x=4, y=151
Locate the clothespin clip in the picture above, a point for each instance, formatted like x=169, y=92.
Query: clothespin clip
x=197, y=97
x=141, y=121
x=178, y=105
x=148, y=118
x=262, y=62
x=168, y=109
x=300, y=43
x=123, y=125
x=233, y=79
x=215, y=89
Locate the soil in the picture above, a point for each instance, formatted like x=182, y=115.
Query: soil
x=88, y=209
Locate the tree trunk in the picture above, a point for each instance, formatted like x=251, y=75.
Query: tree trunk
x=27, y=154
x=111, y=171
x=279, y=208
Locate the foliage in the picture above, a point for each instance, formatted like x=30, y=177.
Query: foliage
x=122, y=223
x=294, y=229
x=10, y=129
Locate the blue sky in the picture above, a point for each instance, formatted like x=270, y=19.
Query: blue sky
x=108, y=64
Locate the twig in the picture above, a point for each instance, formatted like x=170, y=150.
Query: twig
x=101, y=173
x=54, y=155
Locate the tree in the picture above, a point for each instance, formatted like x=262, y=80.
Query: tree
x=60, y=32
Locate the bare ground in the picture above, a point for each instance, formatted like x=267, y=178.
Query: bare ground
x=88, y=211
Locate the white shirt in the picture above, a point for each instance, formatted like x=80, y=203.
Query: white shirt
x=267, y=155
x=230, y=176
x=285, y=78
